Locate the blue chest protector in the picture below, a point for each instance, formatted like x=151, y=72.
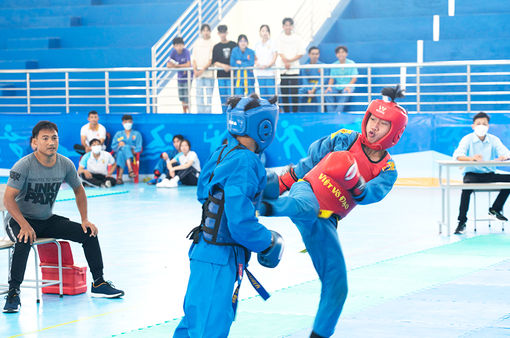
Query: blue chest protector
x=213, y=225
x=213, y=228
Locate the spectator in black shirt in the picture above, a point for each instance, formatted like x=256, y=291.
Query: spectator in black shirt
x=221, y=58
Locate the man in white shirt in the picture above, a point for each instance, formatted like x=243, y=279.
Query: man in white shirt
x=291, y=48
x=90, y=131
x=97, y=166
x=201, y=59
x=481, y=146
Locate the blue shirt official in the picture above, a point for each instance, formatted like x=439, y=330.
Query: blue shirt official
x=490, y=148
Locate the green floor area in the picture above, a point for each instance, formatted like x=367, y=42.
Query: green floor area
x=292, y=309
x=68, y=195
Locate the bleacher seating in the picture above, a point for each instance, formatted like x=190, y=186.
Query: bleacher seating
x=387, y=30
x=79, y=34
x=82, y=33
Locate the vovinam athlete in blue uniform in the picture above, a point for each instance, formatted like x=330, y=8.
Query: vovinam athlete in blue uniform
x=342, y=170
x=229, y=188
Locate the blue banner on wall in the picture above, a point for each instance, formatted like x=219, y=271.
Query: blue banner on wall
x=295, y=132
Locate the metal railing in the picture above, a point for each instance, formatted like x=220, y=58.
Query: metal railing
x=458, y=86
x=187, y=27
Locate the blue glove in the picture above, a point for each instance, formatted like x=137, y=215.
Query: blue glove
x=272, y=189
x=265, y=209
x=272, y=255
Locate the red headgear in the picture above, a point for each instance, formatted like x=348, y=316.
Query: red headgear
x=388, y=111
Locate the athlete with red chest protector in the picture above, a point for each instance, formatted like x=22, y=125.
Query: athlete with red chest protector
x=341, y=171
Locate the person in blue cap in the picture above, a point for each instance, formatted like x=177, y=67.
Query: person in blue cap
x=229, y=189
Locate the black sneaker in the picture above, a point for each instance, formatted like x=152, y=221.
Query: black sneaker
x=460, y=228
x=498, y=214
x=105, y=289
x=12, y=302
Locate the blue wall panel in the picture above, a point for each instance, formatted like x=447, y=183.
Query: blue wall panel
x=439, y=132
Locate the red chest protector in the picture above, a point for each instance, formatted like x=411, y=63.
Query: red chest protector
x=336, y=179
x=368, y=169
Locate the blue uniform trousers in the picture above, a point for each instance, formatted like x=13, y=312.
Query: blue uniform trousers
x=321, y=240
x=161, y=167
x=305, y=98
x=122, y=155
x=245, y=86
x=225, y=91
x=208, y=301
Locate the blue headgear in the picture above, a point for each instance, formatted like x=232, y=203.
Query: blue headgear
x=259, y=123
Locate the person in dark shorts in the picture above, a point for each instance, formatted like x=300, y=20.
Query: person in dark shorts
x=180, y=57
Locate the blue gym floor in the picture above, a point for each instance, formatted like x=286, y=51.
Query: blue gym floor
x=405, y=280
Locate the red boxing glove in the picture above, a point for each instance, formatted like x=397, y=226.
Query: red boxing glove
x=337, y=184
x=287, y=180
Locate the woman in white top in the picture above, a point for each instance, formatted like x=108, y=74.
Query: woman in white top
x=266, y=54
x=184, y=167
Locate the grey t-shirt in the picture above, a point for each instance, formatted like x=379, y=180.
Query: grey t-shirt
x=39, y=185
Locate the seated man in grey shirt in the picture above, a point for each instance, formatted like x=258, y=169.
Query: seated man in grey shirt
x=31, y=192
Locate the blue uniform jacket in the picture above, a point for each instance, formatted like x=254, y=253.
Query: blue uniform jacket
x=310, y=77
x=376, y=189
x=243, y=178
x=247, y=57
x=134, y=141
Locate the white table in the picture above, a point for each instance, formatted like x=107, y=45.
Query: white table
x=447, y=185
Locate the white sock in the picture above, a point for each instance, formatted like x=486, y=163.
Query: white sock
x=176, y=178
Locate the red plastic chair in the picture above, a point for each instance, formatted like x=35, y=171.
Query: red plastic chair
x=136, y=167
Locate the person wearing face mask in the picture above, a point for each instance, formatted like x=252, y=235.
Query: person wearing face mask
x=93, y=168
x=481, y=146
x=126, y=143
